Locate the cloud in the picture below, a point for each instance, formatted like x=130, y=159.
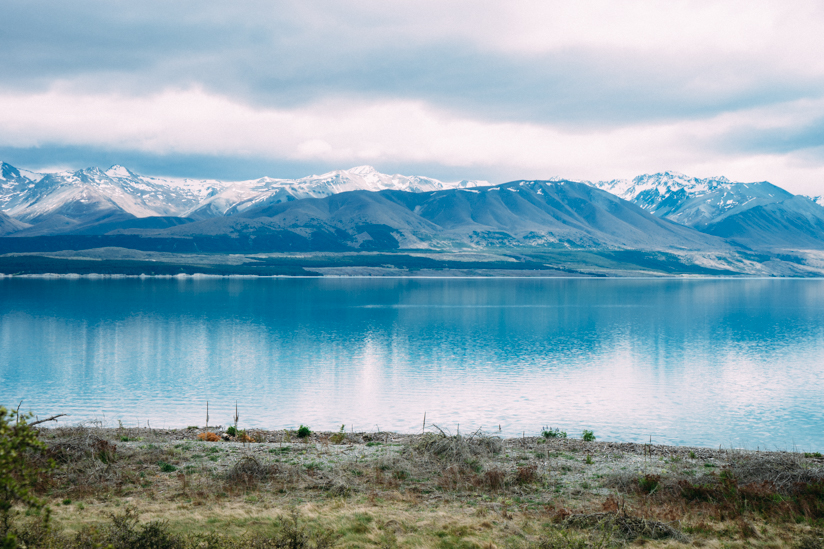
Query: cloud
x=594, y=63
x=195, y=122
x=510, y=89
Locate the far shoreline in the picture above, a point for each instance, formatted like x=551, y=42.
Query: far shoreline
x=207, y=276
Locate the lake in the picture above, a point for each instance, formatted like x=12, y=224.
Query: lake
x=682, y=361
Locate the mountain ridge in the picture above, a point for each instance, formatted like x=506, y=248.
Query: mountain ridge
x=26, y=195
x=361, y=210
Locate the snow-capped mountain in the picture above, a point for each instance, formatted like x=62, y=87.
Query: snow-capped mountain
x=64, y=199
x=243, y=195
x=690, y=200
x=753, y=214
x=92, y=192
x=550, y=214
x=93, y=201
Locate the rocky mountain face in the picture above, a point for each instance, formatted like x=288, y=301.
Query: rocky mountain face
x=756, y=215
x=9, y=225
x=362, y=209
x=71, y=200
x=520, y=214
x=248, y=195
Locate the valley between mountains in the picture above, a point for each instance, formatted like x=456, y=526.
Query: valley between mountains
x=362, y=222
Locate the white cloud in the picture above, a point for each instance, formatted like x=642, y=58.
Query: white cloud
x=692, y=31
x=350, y=133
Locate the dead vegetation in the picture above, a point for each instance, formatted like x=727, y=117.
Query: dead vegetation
x=626, y=527
x=561, y=492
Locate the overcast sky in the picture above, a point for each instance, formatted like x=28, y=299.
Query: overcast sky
x=477, y=89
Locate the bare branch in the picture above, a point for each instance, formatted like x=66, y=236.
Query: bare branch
x=53, y=418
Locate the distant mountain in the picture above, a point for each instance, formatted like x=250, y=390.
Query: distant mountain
x=758, y=215
x=67, y=201
x=795, y=223
x=9, y=225
x=361, y=208
x=520, y=214
x=244, y=195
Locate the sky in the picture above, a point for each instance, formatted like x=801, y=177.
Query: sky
x=455, y=90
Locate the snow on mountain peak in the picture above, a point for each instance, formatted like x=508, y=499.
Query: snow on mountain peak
x=817, y=199
x=362, y=170
x=118, y=171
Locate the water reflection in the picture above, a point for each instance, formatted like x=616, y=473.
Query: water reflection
x=703, y=362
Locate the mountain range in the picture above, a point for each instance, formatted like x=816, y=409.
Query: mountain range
x=362, y=210
x=755, y=215
x=69, y=201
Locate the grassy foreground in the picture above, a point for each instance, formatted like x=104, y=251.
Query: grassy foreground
x=170, y=488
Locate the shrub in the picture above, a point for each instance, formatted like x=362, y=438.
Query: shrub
x=553, y=433
x=340, y=436
x=494, y=479
x=649, y=483
x=166, y=467
x=126, y=531
x=526, y=474
x=588, y=436
x=19, y=468
x=209, y=437
x=231, y=431
x=303, y=431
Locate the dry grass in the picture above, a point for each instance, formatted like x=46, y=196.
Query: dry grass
x=433, y=490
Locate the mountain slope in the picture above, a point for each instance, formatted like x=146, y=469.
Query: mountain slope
x=241, y=196
x=559, y=214
x=65, y=198
x=817, y=199
x=795, y=223
x=758, y=215
x=85, y=195
x=9, y=225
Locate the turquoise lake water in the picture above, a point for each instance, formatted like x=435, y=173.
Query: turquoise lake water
x=692, y=362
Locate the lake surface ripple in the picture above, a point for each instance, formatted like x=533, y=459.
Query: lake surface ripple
x=697, y=362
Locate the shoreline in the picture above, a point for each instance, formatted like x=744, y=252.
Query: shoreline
x=186, y=276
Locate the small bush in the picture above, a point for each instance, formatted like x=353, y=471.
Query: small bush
x=303, y=431
x=340, y=436
x=526, y=474
x=553, y=433
x=19, y=468
x=649, y=483
x=209, y=437
x=249, y=471
x=166, y=467
x=494, y=479
x=588, y=436
x=231, y=431
x=104, y=451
